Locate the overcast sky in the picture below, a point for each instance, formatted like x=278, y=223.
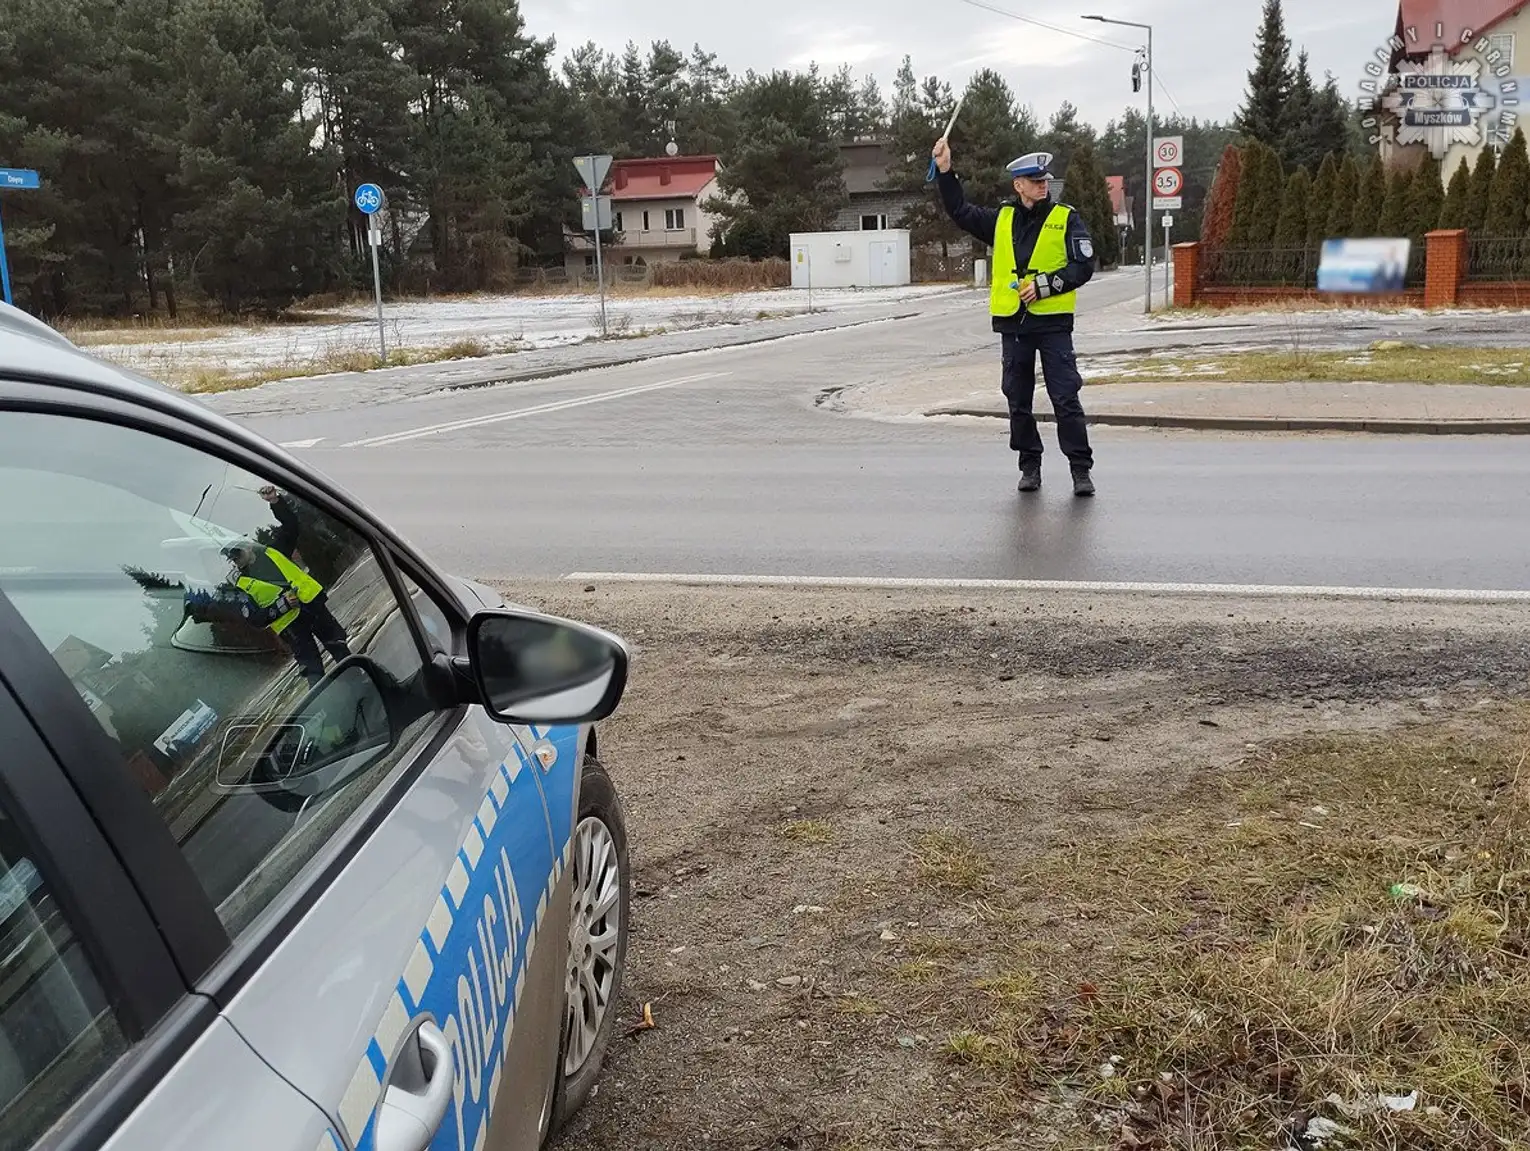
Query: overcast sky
x=1203, y=48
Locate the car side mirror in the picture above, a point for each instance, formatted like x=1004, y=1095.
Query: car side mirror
x=338, y=730
x=531, y=668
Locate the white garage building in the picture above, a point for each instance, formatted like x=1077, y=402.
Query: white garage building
x=869, y=259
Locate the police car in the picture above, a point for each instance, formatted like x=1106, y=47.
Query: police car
x=304, y=844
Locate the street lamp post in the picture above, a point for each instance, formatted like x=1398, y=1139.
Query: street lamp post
x=1147, y=187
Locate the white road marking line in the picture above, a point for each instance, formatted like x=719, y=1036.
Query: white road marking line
x=304, y=443
x=523, y=413
x=1442, y=595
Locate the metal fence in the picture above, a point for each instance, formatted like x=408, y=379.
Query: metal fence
x=1285, y=267
x=1261, y=267
x=1498, y=258
x=928, y=267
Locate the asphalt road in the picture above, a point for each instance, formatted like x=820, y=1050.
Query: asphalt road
x=721, y=463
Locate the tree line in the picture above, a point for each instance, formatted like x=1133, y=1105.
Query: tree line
x=1257, y=204
x=203, y=153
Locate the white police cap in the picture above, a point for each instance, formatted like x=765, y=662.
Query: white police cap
x=1035, y=165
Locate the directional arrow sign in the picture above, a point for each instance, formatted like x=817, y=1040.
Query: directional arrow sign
x=592, y=170
x=19, y=178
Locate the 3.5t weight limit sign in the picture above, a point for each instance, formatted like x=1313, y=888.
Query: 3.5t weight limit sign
x=1168, y=183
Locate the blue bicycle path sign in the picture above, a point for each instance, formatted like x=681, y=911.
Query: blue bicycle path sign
x=13, y=178
x=369, y=198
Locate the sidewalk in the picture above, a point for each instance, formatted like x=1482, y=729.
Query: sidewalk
x=1402, y=408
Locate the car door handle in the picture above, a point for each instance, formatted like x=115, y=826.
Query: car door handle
x=418, y=1093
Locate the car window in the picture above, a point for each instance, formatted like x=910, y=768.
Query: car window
x=438, y=628
x=57, y=1034
x=243, y=648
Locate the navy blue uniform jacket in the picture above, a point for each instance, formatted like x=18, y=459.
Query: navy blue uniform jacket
x=980, y=223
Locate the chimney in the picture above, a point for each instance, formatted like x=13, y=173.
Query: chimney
x=665, y=175
x=621, y=178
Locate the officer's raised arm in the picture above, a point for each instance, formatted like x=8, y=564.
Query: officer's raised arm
x=977, y=221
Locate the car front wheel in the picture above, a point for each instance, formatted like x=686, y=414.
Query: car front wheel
x=597, y=935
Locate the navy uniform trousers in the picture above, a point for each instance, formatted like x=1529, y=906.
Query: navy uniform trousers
x=1059, y=365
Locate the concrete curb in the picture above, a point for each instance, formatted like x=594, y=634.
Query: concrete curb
x=1271, y=424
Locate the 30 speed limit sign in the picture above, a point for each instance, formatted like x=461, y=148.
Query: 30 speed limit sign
x=1168, y=151
x=1168, y=181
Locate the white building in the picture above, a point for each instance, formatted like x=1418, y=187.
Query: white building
x=861, y=259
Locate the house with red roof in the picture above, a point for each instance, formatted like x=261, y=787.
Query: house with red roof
x=1454, y=74
x=658, y=212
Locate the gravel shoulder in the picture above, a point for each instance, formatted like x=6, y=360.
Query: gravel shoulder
x=841, y=804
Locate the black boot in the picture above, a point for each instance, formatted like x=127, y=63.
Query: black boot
x=1082, y=484
x=1030, y=477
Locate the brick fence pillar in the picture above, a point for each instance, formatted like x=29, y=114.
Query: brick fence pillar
x=1187, y=273
x=1445, y=267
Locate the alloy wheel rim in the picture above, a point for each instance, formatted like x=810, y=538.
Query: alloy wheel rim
x=594, y=934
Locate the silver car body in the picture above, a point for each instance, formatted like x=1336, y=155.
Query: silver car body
x=453, y=910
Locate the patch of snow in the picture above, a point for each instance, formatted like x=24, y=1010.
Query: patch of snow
x=498, y=323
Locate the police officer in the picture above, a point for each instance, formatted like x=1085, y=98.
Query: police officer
x=1042, y=255
x=289, y=601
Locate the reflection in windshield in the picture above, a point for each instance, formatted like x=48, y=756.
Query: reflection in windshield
x=193, y=606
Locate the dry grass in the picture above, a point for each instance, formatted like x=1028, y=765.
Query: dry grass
x=1387, y=362
x=724, y=275
x=806, y=831
x=1343, y=920
x=950, y=864
x=201, y=378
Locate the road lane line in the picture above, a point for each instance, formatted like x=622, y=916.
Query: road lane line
x=524, y=413
x=1440, y=595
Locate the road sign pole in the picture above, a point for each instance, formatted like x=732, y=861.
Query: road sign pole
x=1168, y=222
x=5, y=268
x=370, y=200
x=600, y=271
x=1147, y=193
x=374, y=235
x=592, y=170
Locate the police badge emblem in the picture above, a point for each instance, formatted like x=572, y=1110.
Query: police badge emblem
x=1086, y=249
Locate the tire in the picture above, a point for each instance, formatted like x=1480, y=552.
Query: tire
x=599, y=808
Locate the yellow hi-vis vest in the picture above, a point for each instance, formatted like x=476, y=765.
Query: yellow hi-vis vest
x=265, y=594
x=1051, y=255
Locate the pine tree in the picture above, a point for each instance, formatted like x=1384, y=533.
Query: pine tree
x=784, y=175
x=991, y=132
x=1251, y=180
x=1394, y=208
x=1426, y=200
x=1064, y=134
x=1298, y=140
x=1346, y=190
x=1320, y=206
x=1268, y=201
x=1089, y=195
x=1457, y=197
x=1291, y=227
x=1507, y=202
x=1264, y=115
x=914, y=123
x=1369, y=201
x=1335, y=127
x=268, y=207
x=1221, y=203
x=1483, y=176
